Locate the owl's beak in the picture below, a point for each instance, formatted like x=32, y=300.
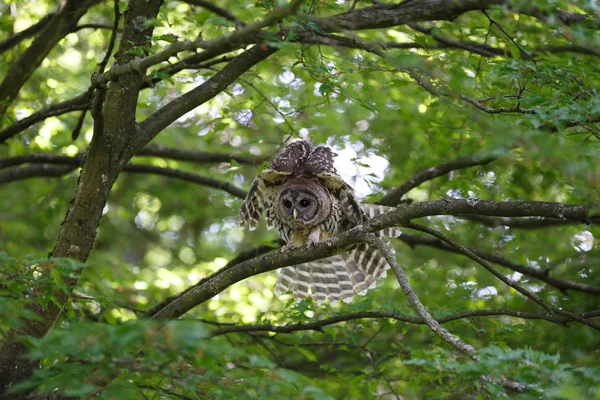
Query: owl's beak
x=295, y=214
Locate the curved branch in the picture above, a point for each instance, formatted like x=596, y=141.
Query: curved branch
x=414, y=301
x=188, y=177
x=395, y=195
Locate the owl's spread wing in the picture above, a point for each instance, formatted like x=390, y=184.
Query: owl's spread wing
x=375, y=210
x=352, y=212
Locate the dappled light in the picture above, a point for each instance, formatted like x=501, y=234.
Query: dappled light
x=132, y=131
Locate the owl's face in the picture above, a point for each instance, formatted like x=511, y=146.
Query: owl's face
x=303, y=206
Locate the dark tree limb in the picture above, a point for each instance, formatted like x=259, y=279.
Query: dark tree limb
x=79, y=102
x=507, y=281
x=395, y=195
x=188, y=177
x=318, y=325
x=542, y=275
x=219, y=281
x=151, y=150
x=24, y=34
x=217, y=10
x=61, y=24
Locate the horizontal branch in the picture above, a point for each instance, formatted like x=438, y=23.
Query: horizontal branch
x=196, y=155
x=34, y=171
x=200, y=157
x=216, y=283
x=318, y=325
x=188, y=177
x=60, y=169
x=77, y=103
x=519, y=223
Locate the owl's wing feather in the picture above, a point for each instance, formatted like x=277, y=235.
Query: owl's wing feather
x=370, y=262
x=253, y=204
x=261, y=197
x=375, y=210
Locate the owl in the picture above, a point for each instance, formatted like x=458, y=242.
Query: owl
x=306, y=200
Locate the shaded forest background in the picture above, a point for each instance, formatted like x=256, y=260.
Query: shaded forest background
x=131, y=131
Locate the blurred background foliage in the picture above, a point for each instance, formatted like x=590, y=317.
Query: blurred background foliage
x=160, y=235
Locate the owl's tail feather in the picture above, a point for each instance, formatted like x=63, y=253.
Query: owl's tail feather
x=335, y=278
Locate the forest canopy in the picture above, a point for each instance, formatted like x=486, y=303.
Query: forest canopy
x=131, y=131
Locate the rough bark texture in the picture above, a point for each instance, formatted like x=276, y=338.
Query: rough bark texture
x=114, y=130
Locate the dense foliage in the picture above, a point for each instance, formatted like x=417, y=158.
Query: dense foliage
x=501, y=97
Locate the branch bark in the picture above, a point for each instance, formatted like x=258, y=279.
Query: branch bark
x=113, y=129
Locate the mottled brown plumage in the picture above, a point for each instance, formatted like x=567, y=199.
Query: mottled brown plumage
x=304, y=197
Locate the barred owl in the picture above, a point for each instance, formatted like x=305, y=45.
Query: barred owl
x=306, y=200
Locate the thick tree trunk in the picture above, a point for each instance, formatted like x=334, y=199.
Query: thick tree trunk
x=111, y=148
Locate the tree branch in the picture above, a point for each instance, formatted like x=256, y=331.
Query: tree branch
x=318, y=325
x=18, y=37
x=206, y=91
x=141, y=65
x=561, y=284
x=224, y=278
x=188, y=177
x=79, y=102
x=387, y=251
x=395, y=195
x=61, y=24
x=217, y=10
x=509, y=282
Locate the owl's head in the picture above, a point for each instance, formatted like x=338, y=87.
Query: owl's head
x=303, y=204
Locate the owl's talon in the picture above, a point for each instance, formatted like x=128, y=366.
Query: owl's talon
x=310, y=242
x=287, y=247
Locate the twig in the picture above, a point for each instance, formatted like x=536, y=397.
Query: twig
x=18, y=37
x=318, y=325
x=395, y=195
x=414, y=301
x=509, y=282
x=543, y=275
x=217, y=10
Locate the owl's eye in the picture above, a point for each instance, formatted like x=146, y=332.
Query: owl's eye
x=287, y=204
x=304, y=203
